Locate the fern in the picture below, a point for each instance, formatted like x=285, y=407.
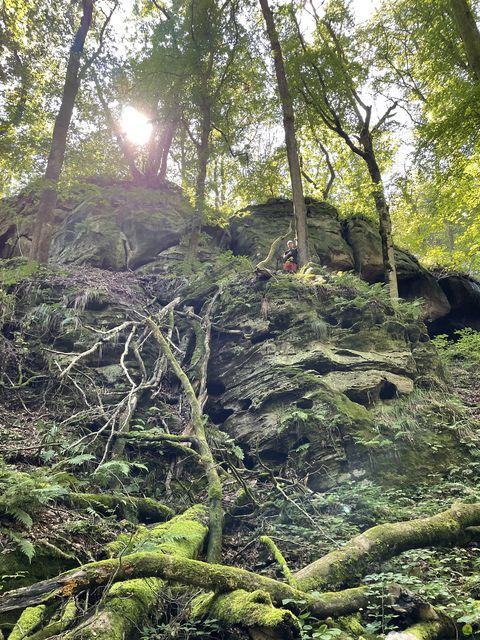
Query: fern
x=45, y=494
x=114, y=467
x=24, y=545
x=21, y=516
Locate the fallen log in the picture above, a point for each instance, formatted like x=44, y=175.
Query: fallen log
x=144, y=509
x=212, y=577
x=456, y=525
x=342, y=567
x=431, y=630
x=254, y=611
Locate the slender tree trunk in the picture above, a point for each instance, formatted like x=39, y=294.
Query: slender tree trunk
x=154, y=154
x=450, y=235
x=203, y=154
x=383, y=210
x=168, y=136
x=123, y=143
x=43, y=229
x=214, y=550
x=469, y=33
x=299, y=208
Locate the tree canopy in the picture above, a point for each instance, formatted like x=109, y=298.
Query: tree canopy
x=198, y=77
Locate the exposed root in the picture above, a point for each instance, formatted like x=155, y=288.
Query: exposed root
x=252, y=610
x=144, y=509
x=344, y=565
x=214, y=551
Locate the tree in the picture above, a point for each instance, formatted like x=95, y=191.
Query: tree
x=31, y=42
x=422, y=60
x=299, y=208
x=327, y=80
x=43, y=228
x=469, y=33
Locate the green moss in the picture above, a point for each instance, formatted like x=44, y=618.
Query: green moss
x=356, y=412
x=143, y=509
x=352, y=625
x=247, y=609
x=277, y=554
x=182, y=536
x=45, y=564
x=129, y=604
x=126, y=607
x=55, y=627
x=16, y=270
x=28, y=622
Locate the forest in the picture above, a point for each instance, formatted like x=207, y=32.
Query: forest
x=239, y=319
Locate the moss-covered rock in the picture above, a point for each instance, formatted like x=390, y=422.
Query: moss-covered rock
x=312, y=353
x=254, y=230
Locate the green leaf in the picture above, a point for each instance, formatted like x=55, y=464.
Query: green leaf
x=25, y=546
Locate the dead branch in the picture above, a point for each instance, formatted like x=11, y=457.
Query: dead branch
x=107, y=336
x=261, y=267
x=214, y=483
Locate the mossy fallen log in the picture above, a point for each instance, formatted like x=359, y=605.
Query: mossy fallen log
x=343, y=566
x=252, y=610
x=212, y=577
x=128, y=604
x=143, y=509
x=55, y=626
x=451, y=526
x=430, y=630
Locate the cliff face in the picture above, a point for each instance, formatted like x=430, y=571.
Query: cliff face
x=309, y=376
x=122, y=227
x=297, y=363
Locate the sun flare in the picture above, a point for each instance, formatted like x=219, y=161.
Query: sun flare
x=136, y=125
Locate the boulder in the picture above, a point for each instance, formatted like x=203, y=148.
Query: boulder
x=413, y=280
x=463, y=294
x=257, y=227
x=114, y=226
x=364, y=239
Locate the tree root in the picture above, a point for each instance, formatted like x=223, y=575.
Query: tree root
x=253, y=610
x=214, y=551
x=212, y=577
x=128, y=604
x=144, y=509
x=341, y=567
x=262, y=267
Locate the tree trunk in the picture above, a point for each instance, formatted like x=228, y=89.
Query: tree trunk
x=389, y=267
x=469, y=33
x=214, y=551
x=122, y=141
x=169, y=133
x=43, y=229
x=203, y=154
x=299, y=208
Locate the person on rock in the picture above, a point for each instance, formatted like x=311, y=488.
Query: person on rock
x=290, y=257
